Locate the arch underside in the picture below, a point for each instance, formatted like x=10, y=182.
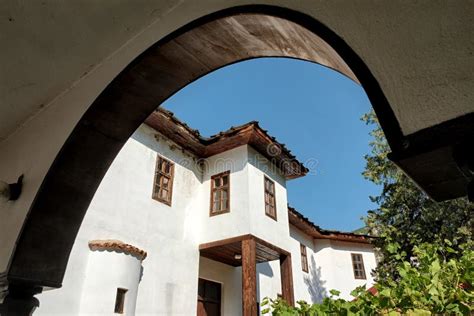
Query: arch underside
x=48, y=235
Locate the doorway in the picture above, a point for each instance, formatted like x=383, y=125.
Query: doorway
x=209, y=298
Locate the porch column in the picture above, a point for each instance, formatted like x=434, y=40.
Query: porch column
x=249, y=278
x=286, y=276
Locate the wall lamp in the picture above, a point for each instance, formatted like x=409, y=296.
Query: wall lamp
x=11, y=191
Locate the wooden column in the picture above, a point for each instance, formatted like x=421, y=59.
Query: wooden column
x=286, y=276
x=249, y=278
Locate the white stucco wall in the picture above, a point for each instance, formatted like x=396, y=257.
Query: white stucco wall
x=336, y=265
x=106, y=272
x=247, y=200
x=330, y=267
x=236, y=221
x=263, y=226
x=123, y=209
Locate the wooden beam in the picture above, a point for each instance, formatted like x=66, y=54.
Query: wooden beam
x=223, y=242
x=286, y=276
x=271, y=246
x=249, y=278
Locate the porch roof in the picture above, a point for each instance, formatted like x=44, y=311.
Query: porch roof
x=225, y=250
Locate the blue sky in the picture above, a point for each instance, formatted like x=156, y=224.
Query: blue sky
x=315, y=111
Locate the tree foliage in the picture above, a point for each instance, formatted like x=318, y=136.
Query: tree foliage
x=425, y=250
x=406, y=216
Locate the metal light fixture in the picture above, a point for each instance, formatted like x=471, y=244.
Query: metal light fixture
x=237, y=256
x=11, y=191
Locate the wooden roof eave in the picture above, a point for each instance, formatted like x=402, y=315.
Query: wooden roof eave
x=315, y=232
x=250, y=134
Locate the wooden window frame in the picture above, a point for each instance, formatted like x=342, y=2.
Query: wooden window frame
x=304, y=258
x=120, y=305
x=156, y=194
x=219, y=175
x=273, y=194
x=355, y=263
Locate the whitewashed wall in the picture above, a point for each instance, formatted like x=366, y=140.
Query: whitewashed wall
x=123, y=209
x=334, y=258
x=236, y=222
x=307, y=285
x=247, y=201
x=106, y=272
x=330, y=267
x=261, y=225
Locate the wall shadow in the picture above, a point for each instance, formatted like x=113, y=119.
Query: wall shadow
x=314, y=282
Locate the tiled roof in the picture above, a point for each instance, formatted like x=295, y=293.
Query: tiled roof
x=117, y=245
x=304, y=224
x=251, y=133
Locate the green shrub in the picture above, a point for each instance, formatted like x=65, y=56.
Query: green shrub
x=432, y=283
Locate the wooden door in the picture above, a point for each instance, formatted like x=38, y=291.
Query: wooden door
x=209, y=298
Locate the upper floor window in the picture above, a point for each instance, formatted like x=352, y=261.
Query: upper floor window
x=358, y=266
x=270, y=205
x=163, y=186
x=120, y=301
x=304, y=258
x=220, y=193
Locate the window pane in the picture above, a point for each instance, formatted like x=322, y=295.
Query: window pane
x=215, y=206
x=224, y=204
x=224, y=194
x=217, y=182
x=225, y=180
x=157, y=188
x=159, y=165
x=167, y=167
x=217, y=195
x=165, y=182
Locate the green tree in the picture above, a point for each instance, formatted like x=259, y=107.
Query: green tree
x=406, y=216
x=426, y=252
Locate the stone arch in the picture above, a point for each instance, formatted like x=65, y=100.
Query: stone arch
x=202, y=46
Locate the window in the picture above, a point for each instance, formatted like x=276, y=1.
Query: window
x=358, y=266
x=304, y=258
x=270, y=205
x=120, y=301
x=163, y=186
x=220, y=193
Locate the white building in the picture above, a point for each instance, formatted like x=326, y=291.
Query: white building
x=183, y=223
